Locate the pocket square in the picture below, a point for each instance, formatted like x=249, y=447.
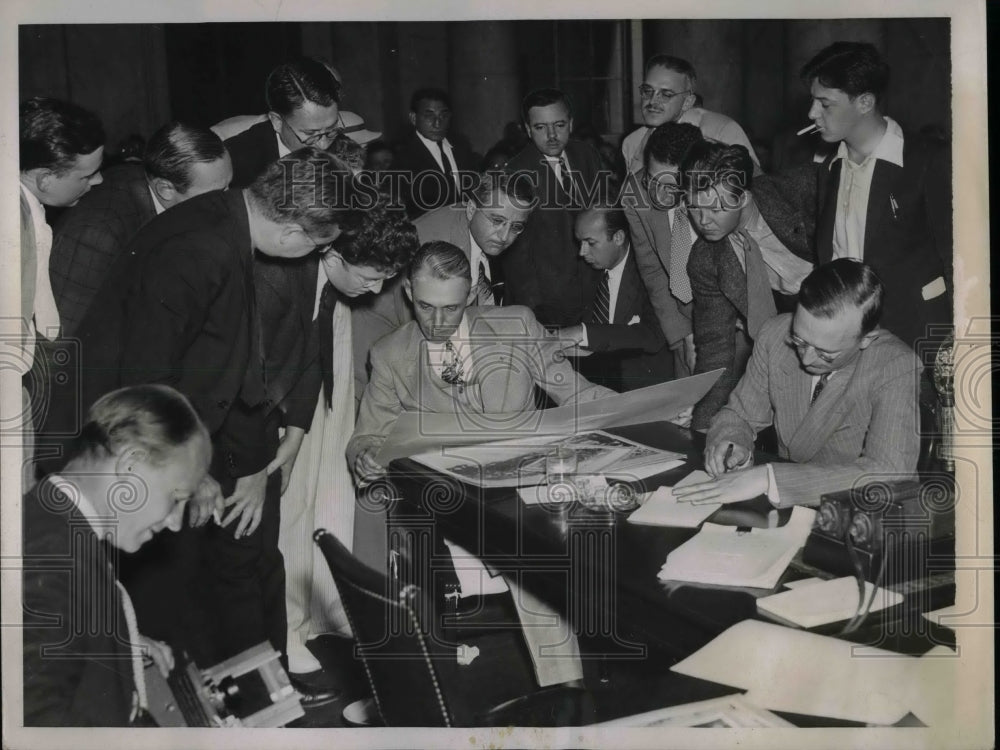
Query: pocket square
x=934, y=289
x=635, y=319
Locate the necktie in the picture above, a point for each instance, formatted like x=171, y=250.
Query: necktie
x=564, y=179
x=680, y=251
x=820, y=385
x=601, y=311
x=446, y=165
x=138, y=670
x=760, y=300
x=327, y=302
x=482, y=292
x=451, y=370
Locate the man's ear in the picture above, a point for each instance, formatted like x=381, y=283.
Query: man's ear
x=42, y=178
x=413, y=118
x=276, y=121
x=408, y=288
x=128, y=458
x=689, y=100
x=869, y=337
x=571, y=125
x=164, y=190
x=865, y=103
x=619, y=237
x=470, y=210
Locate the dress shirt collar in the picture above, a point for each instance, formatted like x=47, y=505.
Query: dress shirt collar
x=157, y=206
x=889, y=148
x=615, y=273
x=283, y=150
x=432, y=145
x=36, y=207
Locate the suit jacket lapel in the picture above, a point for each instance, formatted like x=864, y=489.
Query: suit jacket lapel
x=732, y=277
x=880, y=209
x=628, y=291
x=822, y=419
x=829, y=182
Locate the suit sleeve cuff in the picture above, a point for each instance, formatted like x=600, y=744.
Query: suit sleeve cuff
x=772, y=488
x=584, y=341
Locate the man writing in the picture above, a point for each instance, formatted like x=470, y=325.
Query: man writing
x=840, y=391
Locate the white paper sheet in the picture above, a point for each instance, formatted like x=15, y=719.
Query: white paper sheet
x=663, y=509
x=784, y=669
x=724, y=556
x=826, y=602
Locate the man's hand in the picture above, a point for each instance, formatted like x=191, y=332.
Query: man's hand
x=288, y=451
x=572, y=334
x=727, y=488
x=689, y=354
x=207, y=499
x=159, y=652
x=726, y=455
x=366, y=469
x=683, y=419
x=247, y=501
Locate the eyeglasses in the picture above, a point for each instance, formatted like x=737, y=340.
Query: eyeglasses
x=499, y=222
x=801, y=347
x=667, y=189
x=326, y=135
x=648, y=92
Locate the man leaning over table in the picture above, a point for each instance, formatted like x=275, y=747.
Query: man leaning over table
x=840, y=391
x=447, y=360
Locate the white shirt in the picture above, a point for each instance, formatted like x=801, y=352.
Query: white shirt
x=477, y=256
x=785, y=270
x=855, y=186
x=436, y=153
x=45, y=312
x=614, y=284
x=555, y=162
x=283, y=150
x=157, y=206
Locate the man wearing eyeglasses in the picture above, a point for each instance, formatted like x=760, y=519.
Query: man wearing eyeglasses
x=840, y=391
x=668, y=94
x=438, y=169
x=303, y=102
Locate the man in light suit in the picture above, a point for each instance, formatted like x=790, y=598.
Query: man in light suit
x=620, y=326
x=456, y=358
x=884, y=197
x=840, y=391
x=662, y=235
x=752, y=255
x=180, y=162
x=435, y=362
x=542, y=268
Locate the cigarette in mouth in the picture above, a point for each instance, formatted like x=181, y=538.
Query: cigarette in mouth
x=807, y=129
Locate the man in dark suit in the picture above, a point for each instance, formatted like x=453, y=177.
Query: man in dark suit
x=81, y=643
x=181, y=309
x=662, y=235
x=180, y=162
x=303, y=102
x=883, y=197
x=752, y=255
x=840, y=391
x=438, y=171
x=620, y=326
x=542, y=268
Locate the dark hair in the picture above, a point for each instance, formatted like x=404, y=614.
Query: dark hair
x=517, y=187
x=441, y=260
x=614, y=218
x=380, y=237
x=710, y=163
x=308, y=187
x=853, y=67
x=153, y=417
x=55, y=133
x=501, y=150
x=175, y=147
x=676, y=64
x=840, y=284
x=669, y=143
x=348, y=151
x=429, y=94
x=543, y=98
x=294, y=83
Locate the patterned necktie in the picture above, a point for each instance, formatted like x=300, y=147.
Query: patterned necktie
x=601, y=312
x=482, y=292
x=680, y=251
x=564, y=174
x=820, y=385
x=451, y=371
x=446, y=165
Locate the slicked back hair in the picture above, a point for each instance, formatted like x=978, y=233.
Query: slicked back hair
x=676, y=64
x=54, y=134
x=853, y=67
x=669, y=143
x=292, y=84
x=709, y=164
x=841, y=284
x=440, y=260
x=379, y=237
x=429, y=94
x=175, y=147
x=543, y=98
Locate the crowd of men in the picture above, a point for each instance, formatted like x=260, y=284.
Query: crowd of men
x=249, y=293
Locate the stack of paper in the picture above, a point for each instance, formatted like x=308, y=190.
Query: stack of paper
x=663, y=509
x=725, y=556
x=824, y=602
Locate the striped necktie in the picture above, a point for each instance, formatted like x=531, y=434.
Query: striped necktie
x=820, y=385
x=564, y=174
x=482, y=292
x=680, y=251
x=601, y=311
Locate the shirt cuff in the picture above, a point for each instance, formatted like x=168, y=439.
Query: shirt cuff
x=772, y=488
x=584, y=342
